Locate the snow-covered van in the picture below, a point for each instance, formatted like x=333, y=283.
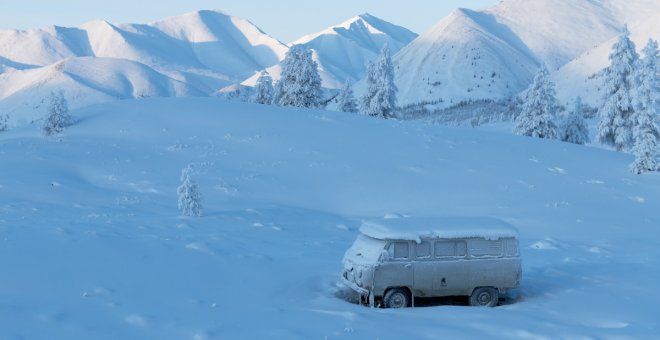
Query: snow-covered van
x=392, y=261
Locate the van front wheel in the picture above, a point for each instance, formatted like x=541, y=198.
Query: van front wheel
x=484, y=297
x=396, y=298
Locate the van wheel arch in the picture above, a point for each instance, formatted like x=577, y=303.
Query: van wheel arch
x=393, y=295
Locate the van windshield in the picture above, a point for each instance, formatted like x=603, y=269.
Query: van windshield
x=365, y=250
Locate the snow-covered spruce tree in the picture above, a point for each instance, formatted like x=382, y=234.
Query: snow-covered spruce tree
x=574, y=128
x=615, y=127
x=263, y=91
x=380, y=99
x=300, y=83
x=190, y=200
x=646, y=134
x=58, y=116
x=346, y=99
x=539, y=108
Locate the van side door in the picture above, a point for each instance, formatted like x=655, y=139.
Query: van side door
x=397, y=269
x=424, y=268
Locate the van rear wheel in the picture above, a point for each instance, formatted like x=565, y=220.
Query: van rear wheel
x=396, y=298
x=484, y=297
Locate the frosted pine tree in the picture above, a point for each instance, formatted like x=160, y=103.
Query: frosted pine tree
x=615, y=127
x=646, y=134
x=263, y=91
x=539, y=107
x=300, y=83
x=346, y=99
x=574, y=128
x=190, y=200
x=58, y=116
x=380, y=99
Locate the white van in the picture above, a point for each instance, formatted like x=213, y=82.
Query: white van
x=394, y=260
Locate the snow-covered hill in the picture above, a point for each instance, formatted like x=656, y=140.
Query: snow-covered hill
x=344, y=51
x=91, y=245
x=492, y=53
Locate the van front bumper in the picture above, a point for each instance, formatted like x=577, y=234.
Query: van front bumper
x=365, y=296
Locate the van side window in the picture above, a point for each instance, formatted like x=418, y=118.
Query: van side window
x=445, y=249
x=486, y=248
x=400, y=250
x=511, y=247
x=423, y=250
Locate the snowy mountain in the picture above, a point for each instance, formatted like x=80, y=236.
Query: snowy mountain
x=92, y=245
x=205, y=48
x=344, y=51
x=582, y=75
x=493, y=53
x=86, y=81
x=466, y=55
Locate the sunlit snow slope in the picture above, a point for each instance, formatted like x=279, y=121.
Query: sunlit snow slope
x=91, y=245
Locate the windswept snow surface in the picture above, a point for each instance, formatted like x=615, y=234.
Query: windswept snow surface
x=91, y=245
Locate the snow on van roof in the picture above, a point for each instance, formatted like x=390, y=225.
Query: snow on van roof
x=415, y=229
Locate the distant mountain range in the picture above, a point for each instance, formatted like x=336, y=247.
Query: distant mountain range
x=487, y=54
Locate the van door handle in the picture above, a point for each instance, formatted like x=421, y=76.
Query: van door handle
x=408, y=265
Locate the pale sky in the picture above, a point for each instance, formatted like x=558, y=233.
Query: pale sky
x=286, y=20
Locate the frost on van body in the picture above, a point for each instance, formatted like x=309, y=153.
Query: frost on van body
x=415, y=229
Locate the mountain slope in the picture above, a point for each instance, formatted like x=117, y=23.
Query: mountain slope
x=93, y=246
x=207, y=49
x=581, y=76
x=466, y=55
x=85, y=81
x=510, y=40
x=344, y=51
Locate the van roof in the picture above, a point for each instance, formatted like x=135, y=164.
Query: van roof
x=415, y=229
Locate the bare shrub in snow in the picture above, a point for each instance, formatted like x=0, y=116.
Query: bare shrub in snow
x=346, y=99
x=58, y=117
x=380, y=99
x=190, y=200
x=645, y=125
x=617, y=109
x=574, y=128
x=300, y=82
x=263, y=90
x=3, y=122
x=539, y=108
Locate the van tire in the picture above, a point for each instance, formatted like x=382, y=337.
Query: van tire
x=397, y=298
x=484, y=297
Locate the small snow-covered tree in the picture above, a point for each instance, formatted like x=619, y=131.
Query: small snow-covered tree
x=58, y=116
x=190, y=200
x=300, y=82
x=380, y=99
x=263, y=91
x=646, y=134
x=539, y=108
x=346, y=98
x=574, y=128
x=615, y=127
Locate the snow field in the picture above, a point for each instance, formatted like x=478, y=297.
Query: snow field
x=91, y=244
